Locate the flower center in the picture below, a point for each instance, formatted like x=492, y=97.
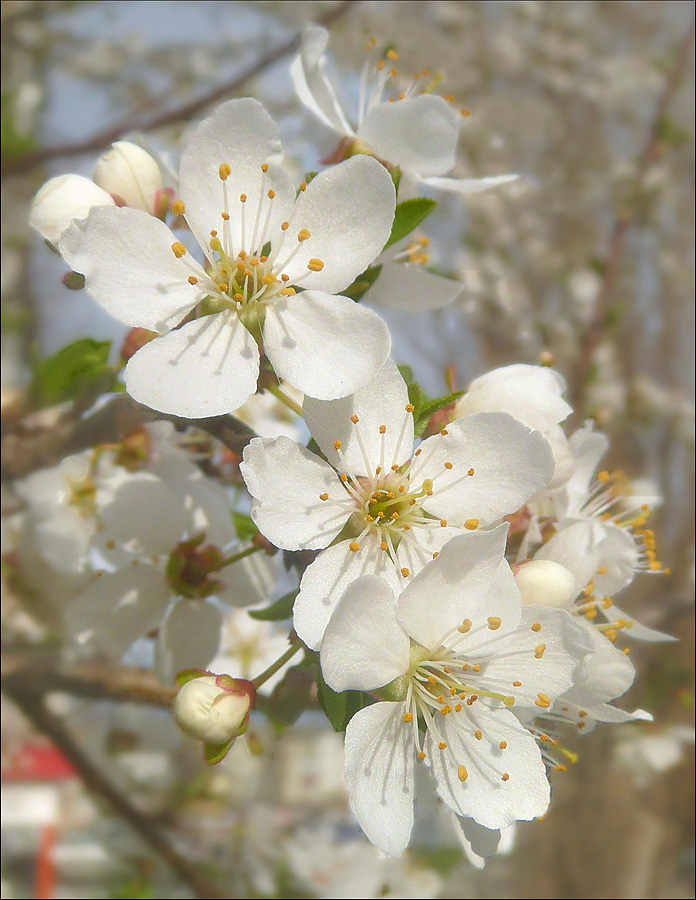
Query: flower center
x=190, y=566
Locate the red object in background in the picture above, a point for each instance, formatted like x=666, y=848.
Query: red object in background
x=44, y=887
x=37, y=762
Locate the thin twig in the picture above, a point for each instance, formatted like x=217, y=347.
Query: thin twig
x=185, y=111
x=622, y=224
x=31, y=702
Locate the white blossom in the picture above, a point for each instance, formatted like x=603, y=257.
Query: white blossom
x=213, y=708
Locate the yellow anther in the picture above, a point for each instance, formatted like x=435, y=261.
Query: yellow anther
x=603, y=477
x=611, y=635
x=502, y=745
x=303, y=186
x=458, y=707
x=505, y=777
x=471, y=524
x=517, y=684
x=464, y=112
x=287, y=292
x=354, y=546
x=337, y=445
x=303, y=235
x=442, y=745
x=536, y=627
x=225, y=216
x=626, y=650
x=264, y=168
x=324, y=496
x=240, y=298
x=224, y=171
x=192, y=279
x=380, y=65
x=178, y=249
x=421, y=756
x=462, y=774
x=213, y=232
x=382, y=429
x=178, y=207
x=343, y=477
x=470, y=472
x=539, y=652
x=543, y=701
x=405, y=572
x=465, y=627
x=509, y=701
x=448, y=465
x=410, y=407
x=607, y=602
x=392, y=54
x=269, y=279
x=582, y=714
x=478, y=735
x=560, y=768
x=602, y=570
x=222, y=287
x=271, y=195
x=407, y=717
x=494, y=622
x=476, y=668
x=444, y=432
x=284, y=226
x=243, y=198
x=355, y=419
x=315, y=265
x=443, y=523
x=383, y=546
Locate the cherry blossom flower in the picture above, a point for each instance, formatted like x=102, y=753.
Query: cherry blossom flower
x=275, y=263
x=126, y=175
x=164, y=541
x=214, y=708
x=387, y=509
x=450, y=659
x=413, y=128
x=599, y=536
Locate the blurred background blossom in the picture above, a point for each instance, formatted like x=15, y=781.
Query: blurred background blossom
x=586, y=261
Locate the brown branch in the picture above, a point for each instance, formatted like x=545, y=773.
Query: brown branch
x=136, y=123
x=622, y=225
x=31, y=702
x=25, y=449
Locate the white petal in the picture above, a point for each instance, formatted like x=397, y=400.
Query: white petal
x=419, y=134
x=326, y=579
x=364, y=647
x=609, y=672
x=578, y=548
x=470, y=579
x=249, y=581
x=544, y=660
x=313, y=87
x=484, y=796
x=379, y=761
x=532, y=394
x=588, y=447
x=63, y=199
x=510, y=464
x=147, y=514
x=208, y=505
x=241, y=134
x=637, y=630
x=129, y=268
x=478, y=842
x=466, y=186
x=286, y=481
x=325, y=346
x=205, y=368
x=619, y=557
x=382, y=401
x=130, y=173
x=348, y=211
x=412, y=289
x=117, y=608
x=419, y=548
x=188, y=639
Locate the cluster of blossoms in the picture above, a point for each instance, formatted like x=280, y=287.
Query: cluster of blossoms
x=460, y=560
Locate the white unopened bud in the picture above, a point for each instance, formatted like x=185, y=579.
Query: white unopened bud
x=545, y=583
x=130, y=174
x=63, y=199
x=214, y=708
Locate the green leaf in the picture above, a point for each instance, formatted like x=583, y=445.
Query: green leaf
x=76, y=369
x=215, y=753
x=276, y=612
x=427, y=409
x=406, y=373
x=362, y=283
x=408, y=216
x=244, y=526
x=340, y=708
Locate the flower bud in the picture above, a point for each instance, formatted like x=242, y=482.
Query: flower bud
x=63, y=199
x=130, y=175
x=214, y=708
x=545, y=583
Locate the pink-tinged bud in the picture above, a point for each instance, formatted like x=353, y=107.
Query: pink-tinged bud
x=163, y=200
x=542, y=582
x=130, y=175
x=135, y=339
x=63, y=199
x=214, y=708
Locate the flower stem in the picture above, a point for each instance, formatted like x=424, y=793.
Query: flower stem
x=278, y=664
x=278, y=392
x=236, y=558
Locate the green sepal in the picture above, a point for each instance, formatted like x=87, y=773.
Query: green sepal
x=425, y=411
x=276, y=612
x=409, y=215
x=339, y=709
x=362, y=284
x=187, y=675
x=215, y=753
x=244, y=526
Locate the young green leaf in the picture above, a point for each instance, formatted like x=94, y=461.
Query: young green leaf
x=408, y=216
x=276, y=612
